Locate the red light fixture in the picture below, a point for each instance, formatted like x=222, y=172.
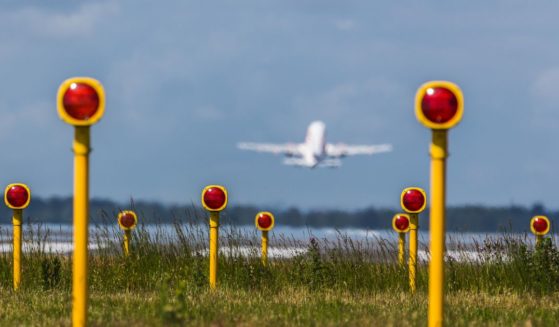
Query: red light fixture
x=17, y=196
x=81, y=101
x=264, y=221
x=401, y=223
x=127, y=220
x=214, y=198
x=439, y=104
x=540, y=225
x=413, y=200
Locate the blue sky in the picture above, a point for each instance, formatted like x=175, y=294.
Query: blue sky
x=185, y=81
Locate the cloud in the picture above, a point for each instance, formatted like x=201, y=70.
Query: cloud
x=209, y=112
x=545, y=99
x=546, y=85
x=354, y=102
x=345, y=24
x=30, y=116
x=44, y=22
x=263, y=72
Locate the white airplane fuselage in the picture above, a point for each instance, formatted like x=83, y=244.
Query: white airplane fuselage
x=314, y=148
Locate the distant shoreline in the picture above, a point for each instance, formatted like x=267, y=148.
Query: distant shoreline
x=467, y=218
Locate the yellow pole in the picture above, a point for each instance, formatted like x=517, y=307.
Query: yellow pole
x=126, y=242
x=214, y=228
x=539, y=239
x=265, y=247
x=16, y=221
x=81, y=208
x=401, y=248
x=412, y=262
x=436, y=266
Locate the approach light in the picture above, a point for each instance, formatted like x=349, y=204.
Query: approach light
x=127, y=220
x=214, y=198
x=264, y=221
x=17, y=196
x=81, y=101
x=401, y=223
x=413, y=200
x=439, y=104
x=540, y=225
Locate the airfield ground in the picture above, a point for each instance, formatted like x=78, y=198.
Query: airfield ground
x=289, y=307
x=164, y=283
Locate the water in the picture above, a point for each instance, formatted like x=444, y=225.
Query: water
x=57, y=238
x=64, y=232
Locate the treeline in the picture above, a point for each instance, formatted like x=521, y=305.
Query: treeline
x=469, y=218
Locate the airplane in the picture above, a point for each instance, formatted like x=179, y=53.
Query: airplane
x=315, y=152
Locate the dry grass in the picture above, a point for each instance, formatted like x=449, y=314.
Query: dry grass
x=288, y=307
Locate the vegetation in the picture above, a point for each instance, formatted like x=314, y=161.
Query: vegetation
x=332, y=282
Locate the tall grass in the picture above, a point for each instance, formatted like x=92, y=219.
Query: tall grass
x=332, y=280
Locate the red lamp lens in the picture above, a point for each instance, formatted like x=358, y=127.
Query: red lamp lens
x=264, y=221
x=17, y=196
x=402, y=222
x=540, y=225
x=81, y=101
x=413, y=200
x=214, y=198
x=439, y=104
x=127, y=220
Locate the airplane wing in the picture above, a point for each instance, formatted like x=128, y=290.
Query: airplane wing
x=289, y=149
x=343, y=150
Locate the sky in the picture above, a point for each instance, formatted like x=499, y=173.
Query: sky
x=186, y=80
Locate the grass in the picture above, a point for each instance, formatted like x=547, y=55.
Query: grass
x=288, y=307
x=341, y=282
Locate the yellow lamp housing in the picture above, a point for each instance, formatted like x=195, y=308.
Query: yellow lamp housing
x=217, y=201
x=542, y=232
x=18, y=186
x=127, y=213
x=407, y=229
x=67, y=85
x=269, y=228
x=423, y=89
x=417, y=189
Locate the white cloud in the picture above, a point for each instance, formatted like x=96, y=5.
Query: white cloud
x=352, y=101
x=345, y=24
x=49, y=23
x=141, y=75
x=545, y=97
x=25, y=125
x=209, y=112
x=172, y=71
x=546, y=85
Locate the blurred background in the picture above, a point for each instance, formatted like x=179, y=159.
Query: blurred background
x=186, y=80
